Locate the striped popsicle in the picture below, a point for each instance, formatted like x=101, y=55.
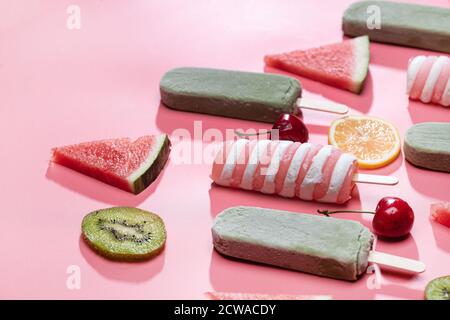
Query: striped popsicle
x=290, y=169
x=429, y=79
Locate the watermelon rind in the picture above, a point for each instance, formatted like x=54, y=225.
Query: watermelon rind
x=362, y=58
x=149, y=170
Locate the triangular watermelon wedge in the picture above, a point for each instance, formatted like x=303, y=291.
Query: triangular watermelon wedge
x=125, y=164
x=260, y=296
x=343, y=65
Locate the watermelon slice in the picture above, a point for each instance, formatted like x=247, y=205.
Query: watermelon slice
x=125, y=164
x=258, y=296
x=440, y=212
x=343, y=65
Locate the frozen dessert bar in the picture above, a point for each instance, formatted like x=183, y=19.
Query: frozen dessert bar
x=427, y=145
x=290, y=169
x=400, y=23
x=429, y=79
x=234, y=94
x=319, y=245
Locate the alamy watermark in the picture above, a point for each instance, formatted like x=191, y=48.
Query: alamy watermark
x=375, y=279
x=200, y=146
x=73, y=21
x=73, y=281
x=374, y=19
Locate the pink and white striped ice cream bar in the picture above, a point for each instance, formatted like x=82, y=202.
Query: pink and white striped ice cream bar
x=289, y=169
x=429, y=79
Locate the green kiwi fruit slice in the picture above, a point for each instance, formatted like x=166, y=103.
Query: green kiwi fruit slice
x=438, y=289
x=125, y=234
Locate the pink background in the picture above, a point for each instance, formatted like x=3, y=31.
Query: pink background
x=59, y=87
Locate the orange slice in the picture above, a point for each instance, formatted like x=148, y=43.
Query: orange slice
x=373, y=141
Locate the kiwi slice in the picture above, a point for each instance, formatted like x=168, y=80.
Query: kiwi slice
x=438, y=289
x=126, y=234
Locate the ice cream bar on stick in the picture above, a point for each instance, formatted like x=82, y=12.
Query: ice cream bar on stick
x=404, y=24
x=427, y=145
x=428, y=79
x=290, y=169
x=324, y=246
x=235, y=94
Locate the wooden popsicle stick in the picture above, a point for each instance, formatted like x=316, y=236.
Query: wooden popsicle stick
x=375, y=179
x=396, y=262
x=319, y=105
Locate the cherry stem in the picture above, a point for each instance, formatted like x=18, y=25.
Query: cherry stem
x=327, y=212
x=242, y=134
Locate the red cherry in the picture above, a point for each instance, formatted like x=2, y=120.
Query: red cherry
x=394, y=218
x=290, y=127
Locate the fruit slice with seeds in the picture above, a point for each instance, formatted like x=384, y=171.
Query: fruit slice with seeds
x=375, y=142
x=122, y=233
x=343, y=65
x=123, y=163
x=438, y=289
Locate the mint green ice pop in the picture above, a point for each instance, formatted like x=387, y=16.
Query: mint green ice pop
x=237, y=94
x=404, y=24
x=427, y=145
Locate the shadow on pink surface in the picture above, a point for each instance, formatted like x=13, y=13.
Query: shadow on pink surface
x=360, y=102
x=169, y=120
x=394, y=56
x=427, y=182
x=222, y=198
x=259, y=278
x=122, y=271
x=408, y=244
x=404, y=247
x=387, y=170
x=317, y=129
x=422, y=112
x=95, y=189
x=441, y=235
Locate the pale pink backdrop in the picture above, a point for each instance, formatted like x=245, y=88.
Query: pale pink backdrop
x=60, y=86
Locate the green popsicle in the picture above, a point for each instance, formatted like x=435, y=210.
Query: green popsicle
x=404, y=24
x=235, y=94
x=324, y=246
x=427, y=145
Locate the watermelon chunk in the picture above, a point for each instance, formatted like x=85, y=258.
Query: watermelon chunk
x=125, y=164
x=440, y=212
x=343, y=65
x=258, y=296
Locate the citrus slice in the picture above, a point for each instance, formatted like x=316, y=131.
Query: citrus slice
x=373, y=141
